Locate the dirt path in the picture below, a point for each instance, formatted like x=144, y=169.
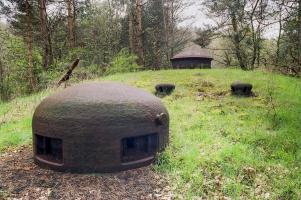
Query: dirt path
x=20, y=178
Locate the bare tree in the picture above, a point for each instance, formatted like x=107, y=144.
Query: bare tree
x=299, y=32
x=280, y=18
x=237, y=38
x=138, y=31
x=135, y=29
x=70, y=22
x=29, y=38
x=243, y=21
x=173, y=16
x=130, y=28
x=45, y=36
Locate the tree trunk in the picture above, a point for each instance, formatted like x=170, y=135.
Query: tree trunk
x=166, y=33
x=172, y=28
x=254, y=40
x=258, y=46
x=47, y=54
x=2, y=95
x=138, y=31
x=236, y=41
x=29, y=46
x=131, y=42
x=279, y=33
x=259, y=31
x=299, y=33
x=70, y=22
x=255, y=36
x=130, y=24
x=279, y=36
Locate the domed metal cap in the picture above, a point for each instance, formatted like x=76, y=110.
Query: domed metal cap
x=99, y=127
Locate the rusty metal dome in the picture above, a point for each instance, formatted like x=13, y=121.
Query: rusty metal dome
x=99, y=127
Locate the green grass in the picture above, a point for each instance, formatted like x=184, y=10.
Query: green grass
x=221, y=145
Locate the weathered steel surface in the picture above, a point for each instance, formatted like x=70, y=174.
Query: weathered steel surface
x=92, y=120
x=242, y=89
x=165, y=88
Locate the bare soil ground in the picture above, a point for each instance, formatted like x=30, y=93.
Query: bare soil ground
x=20, y=178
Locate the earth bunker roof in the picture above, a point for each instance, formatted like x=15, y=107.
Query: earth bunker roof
x=193, y=51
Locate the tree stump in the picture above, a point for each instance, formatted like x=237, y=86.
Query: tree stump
x=165, y=88
x=241, y=89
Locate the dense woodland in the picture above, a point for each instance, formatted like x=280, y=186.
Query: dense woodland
x=41, y=38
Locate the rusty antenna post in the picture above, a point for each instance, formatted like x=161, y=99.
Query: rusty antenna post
x=66, y=77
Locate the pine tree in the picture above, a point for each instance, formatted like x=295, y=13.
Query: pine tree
x=23, y=21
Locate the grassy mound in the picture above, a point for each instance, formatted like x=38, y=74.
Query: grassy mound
x=221, y=145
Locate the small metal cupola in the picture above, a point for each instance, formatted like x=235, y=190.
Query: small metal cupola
x=99, y=127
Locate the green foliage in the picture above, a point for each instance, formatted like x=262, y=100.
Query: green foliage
x=49, y=78
x=99, y=35
x=14, y=64
x=289, y=44
x=123, y=62
x=101, y=31
x=204, y=37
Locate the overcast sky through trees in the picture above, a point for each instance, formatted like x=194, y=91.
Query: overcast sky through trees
x=196, y=17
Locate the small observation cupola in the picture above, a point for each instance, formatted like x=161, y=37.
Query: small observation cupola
x=99, y=127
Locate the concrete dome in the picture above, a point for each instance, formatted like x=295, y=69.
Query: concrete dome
x=99, y=127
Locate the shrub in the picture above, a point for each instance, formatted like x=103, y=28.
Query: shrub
x=123, y=62
x=14, y=66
